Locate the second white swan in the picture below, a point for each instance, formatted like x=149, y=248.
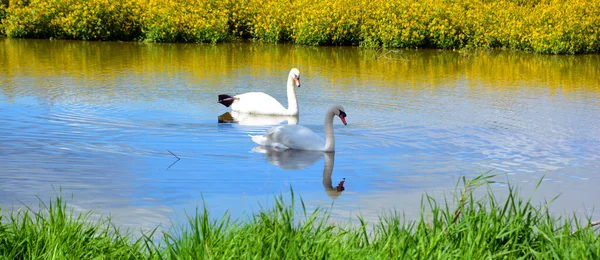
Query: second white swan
x=262, y=103
x=300, y=137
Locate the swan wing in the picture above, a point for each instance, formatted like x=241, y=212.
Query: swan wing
x=265, y=141
x=295, y=137
x=258, y=103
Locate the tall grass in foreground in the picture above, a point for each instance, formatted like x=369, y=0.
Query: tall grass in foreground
x=55, y=232
x=474, y=228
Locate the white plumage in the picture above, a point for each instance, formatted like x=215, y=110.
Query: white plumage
x=262, y=103
x=300, y=137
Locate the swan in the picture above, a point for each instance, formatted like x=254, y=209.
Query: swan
x=300, y=137
x=261, y=103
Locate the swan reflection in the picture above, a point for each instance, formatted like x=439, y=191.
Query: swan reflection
x=290, y=159
x=327, y=183
x=256, y=119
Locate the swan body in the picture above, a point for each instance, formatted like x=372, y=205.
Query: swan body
x=300, y=137
x=262, y=103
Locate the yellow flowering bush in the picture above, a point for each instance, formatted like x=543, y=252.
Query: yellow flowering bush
x=3, y=5
x=270, y=21
x=240, y=17
x=71, y=19
x=185, y=21
x=395, y=23
x=327, y=22
x=98, y=20
x=566, y=27
x=33, y=18
x=544, y=26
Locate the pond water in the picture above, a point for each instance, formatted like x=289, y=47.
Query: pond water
x=104, y=122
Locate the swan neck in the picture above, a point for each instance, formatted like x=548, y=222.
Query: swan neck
x=329, y=139
x=291, y=94
x=293, y=120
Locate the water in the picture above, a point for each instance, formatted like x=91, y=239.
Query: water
x=106, y=123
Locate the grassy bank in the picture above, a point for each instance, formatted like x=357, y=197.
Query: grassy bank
x=472, y=229
x=544, y=26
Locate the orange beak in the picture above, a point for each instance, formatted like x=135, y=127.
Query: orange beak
x=343, y=118
x=297, y=81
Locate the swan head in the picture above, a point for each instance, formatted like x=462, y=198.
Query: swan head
x=295, y=75
x=339, y=111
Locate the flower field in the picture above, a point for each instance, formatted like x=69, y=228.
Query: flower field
x=542, y=26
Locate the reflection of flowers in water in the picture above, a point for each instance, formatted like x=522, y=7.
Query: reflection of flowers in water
x=290, y=159
x=255, y=119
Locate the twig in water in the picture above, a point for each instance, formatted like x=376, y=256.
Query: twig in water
x=174, y=154
x=175, y=160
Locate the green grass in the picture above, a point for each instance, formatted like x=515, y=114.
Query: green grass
x=54, y=232
x=472, y=228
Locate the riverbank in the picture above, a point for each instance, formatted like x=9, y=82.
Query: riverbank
x=542, y=26
x=471, y=228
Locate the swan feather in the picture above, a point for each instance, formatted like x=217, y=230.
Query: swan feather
x=257, y=103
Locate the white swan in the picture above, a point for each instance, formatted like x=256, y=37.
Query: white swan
x=300, y=137
x=261, y=103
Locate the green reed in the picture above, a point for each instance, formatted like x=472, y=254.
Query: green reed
x=465, y=227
